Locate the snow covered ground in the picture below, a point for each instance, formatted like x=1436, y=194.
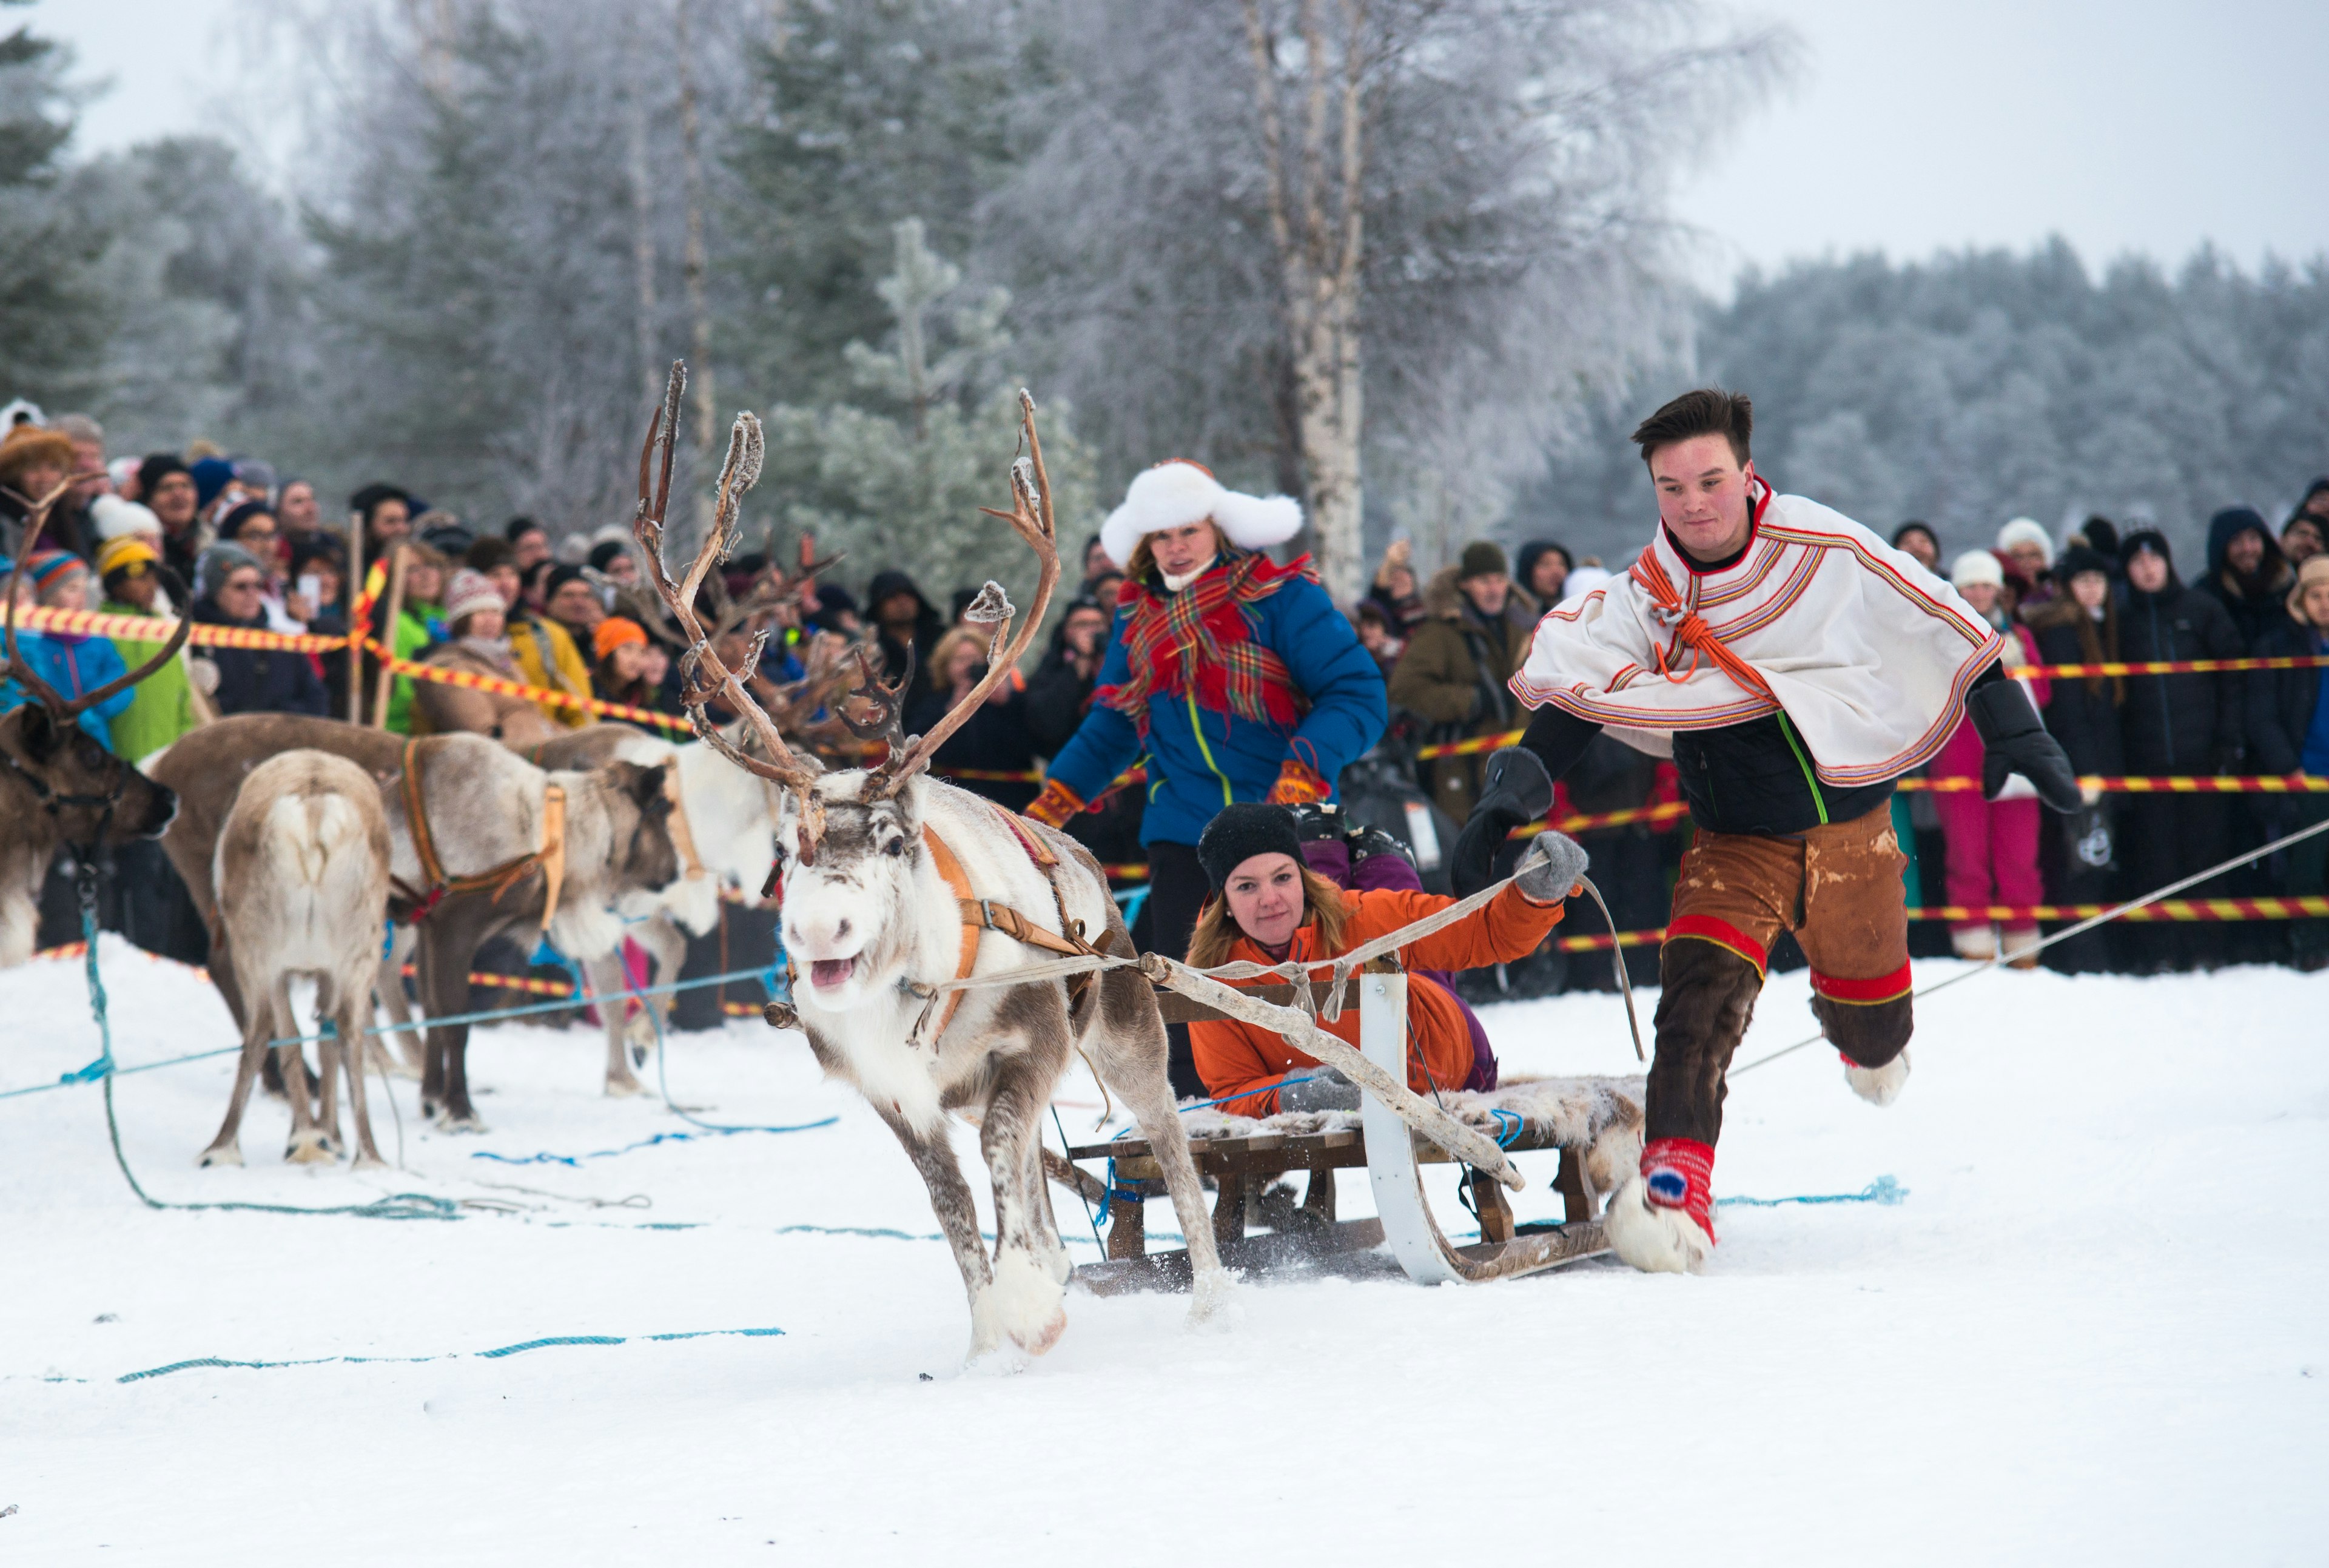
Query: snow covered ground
x=2098, y=1329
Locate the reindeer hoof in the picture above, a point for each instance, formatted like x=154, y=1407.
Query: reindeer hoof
x=470, y=1123
x=220, y=1154
x=369, y=1162
x=625, y=1087
x=308, y=1150
x=1038, y=1341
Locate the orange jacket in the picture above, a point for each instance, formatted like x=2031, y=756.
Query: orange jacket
x=1231, y=1055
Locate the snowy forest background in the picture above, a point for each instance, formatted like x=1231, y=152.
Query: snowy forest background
x=870, y=220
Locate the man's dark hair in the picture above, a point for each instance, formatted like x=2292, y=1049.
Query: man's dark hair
x=1707, y=411
x=518, y=528
x=488, y=553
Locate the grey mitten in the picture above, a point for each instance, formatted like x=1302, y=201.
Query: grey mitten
x=1325, y=1089
x=1554, y=863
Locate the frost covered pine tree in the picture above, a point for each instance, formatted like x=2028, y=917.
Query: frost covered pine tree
x=896, y=475
x=1393, y=238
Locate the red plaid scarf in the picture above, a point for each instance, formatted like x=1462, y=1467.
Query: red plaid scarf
x=1201, y=635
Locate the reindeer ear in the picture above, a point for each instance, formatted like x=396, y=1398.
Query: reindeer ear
x=648, y=787
x=41, y=737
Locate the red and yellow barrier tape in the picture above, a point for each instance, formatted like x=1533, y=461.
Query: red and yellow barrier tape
x=537, y=694
x=155, y=628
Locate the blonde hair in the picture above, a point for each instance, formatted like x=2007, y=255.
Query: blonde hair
x=942, y=655
x=1218, y=930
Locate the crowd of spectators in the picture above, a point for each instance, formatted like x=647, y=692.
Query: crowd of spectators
x=231, y=542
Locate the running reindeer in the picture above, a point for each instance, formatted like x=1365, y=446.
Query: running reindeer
x=57, y=784
x=894, y=882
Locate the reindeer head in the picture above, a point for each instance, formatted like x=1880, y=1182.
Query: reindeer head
x=849, y=906
x=639, y=801
x=87, y=792
x=849, y=843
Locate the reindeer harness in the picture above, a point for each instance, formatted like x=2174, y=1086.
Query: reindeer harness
x=979, y=914
x=551, y=858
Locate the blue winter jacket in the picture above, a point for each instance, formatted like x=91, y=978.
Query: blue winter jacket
x=1199, y=759
x=71, y=665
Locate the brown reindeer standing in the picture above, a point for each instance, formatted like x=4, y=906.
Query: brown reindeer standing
x=894, y=882
x=57, y=784
x=486, y=814
x=302, y=876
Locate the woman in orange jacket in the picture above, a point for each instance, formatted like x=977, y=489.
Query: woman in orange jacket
x=1269, y=907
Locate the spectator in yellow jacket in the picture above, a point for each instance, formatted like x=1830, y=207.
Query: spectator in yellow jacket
x=541, y=648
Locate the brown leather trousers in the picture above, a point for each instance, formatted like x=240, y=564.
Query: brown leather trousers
x=1837, y=888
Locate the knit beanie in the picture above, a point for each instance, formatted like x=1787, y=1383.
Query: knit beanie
x=613, y=632
x=157, y=468
x=559, y=576
x=2143, y=539
x=123, y=552
x=230, y=525
x=467, y=593
x=1976, y=566
x=48, y=568
x=218, y=563
x=1241, y=831
x=2079, y=558
x=211, y=475
x=1481, y=558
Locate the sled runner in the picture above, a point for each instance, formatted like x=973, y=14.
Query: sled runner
x=1593, y=1123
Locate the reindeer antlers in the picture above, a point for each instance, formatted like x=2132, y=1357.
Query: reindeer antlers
x=738, y=474
x=1031, y=518
x=24, y=676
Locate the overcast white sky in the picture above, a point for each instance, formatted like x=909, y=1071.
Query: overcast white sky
x=2141, y=125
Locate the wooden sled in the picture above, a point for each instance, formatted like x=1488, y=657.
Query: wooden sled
x=1243, y=1167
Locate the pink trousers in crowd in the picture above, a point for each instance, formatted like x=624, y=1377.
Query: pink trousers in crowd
x=1993, y=856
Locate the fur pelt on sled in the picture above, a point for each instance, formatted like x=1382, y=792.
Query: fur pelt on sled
x=1602, y=1116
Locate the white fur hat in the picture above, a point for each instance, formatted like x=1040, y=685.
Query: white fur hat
x=1976, y=566
x=114, y=517
x=1178, y=492
x=2026, y=531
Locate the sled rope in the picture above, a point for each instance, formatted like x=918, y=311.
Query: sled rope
x=2067, y=932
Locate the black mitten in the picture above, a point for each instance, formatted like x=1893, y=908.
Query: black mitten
x=2014, y=741
x=1515, y=790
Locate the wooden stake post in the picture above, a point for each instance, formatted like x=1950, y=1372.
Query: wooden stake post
x=397, y=559
x=354, y=593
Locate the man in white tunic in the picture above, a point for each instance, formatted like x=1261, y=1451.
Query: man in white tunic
x=1793, y=666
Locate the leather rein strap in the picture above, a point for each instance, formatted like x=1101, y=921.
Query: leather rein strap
x=550, y=858
x=978, y=914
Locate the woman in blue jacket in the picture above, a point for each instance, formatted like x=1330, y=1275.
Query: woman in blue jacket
x=1238, y=678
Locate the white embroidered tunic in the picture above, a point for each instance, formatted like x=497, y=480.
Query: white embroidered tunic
x=1868, y=653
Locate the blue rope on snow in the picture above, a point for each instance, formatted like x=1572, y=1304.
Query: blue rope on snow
x=494, y=1355
x=576, y=1159
x=1882, y=1190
